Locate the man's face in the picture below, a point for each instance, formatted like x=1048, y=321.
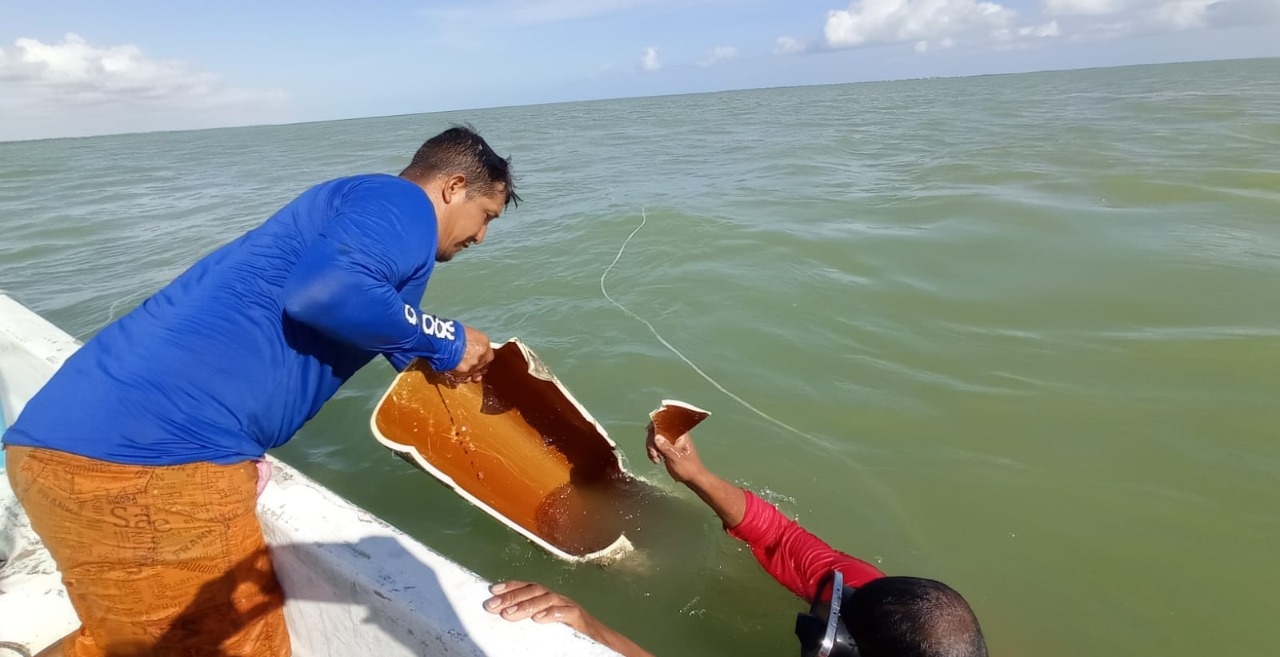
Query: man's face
x=465, y=217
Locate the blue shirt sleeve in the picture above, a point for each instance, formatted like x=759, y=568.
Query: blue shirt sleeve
x=399, y=361
x=346, y=283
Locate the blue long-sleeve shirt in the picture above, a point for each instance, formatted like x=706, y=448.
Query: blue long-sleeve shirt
x=237, y=353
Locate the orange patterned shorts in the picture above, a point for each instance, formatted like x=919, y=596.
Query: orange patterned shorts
x=157, y=561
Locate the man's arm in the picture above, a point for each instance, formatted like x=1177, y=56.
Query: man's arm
x=399, y=361
x=791, y=555
x=516, y=601
x=345, y=283
x=796, y=558
x=685, y=466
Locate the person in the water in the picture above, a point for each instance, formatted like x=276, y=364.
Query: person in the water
x=872, y=615
x=139, y=462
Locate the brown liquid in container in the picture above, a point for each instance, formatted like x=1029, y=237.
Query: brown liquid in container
x=517, y=443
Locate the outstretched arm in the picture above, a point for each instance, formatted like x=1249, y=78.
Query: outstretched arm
x=685, y=466
x=791, y=555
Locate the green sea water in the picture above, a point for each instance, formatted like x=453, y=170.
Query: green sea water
x=1028, y=325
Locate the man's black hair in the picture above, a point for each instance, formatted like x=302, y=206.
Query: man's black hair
x=461, y=149
x=912, y=617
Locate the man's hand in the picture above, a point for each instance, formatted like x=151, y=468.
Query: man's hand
x=685, y=466
x=680, y=456
x=476, y=358
x=520, y=600
x=516, y=601
x=263, y=467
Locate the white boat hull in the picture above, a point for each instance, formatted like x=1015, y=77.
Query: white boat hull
x=354, y=584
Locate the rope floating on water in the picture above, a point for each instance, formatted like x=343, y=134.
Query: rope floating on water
x=872, y=481
x=644, y=218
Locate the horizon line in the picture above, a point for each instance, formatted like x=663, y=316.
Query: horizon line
x=486, y=108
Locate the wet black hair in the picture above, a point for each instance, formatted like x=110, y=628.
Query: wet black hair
x=461, y=149
x=912, y=617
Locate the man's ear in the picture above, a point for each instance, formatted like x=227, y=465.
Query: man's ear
x=455, y=188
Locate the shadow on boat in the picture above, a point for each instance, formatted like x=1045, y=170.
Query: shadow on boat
x=321, y=600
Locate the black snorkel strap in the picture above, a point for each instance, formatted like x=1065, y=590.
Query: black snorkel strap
x=826, y=636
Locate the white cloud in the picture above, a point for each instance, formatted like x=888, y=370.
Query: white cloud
x=1047, y=30
x=925, y=23
x=532, y=12
x=1083, y=7
x=893, y=21
x=1135, y=17
x=77, y=66
x=1235, y=13
x=1016, y=38
x=1181, y=14
x=718, y=55
x=923, y=47
x=81, y=88
x=1168, y=15
x=548, y=11
x=789, y=46
x=649, y=61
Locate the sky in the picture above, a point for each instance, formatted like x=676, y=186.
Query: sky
x=76, y=67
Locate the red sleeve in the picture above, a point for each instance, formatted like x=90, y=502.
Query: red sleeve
x=795, y=558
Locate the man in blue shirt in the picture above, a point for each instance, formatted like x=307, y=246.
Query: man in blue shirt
x=136, y=462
